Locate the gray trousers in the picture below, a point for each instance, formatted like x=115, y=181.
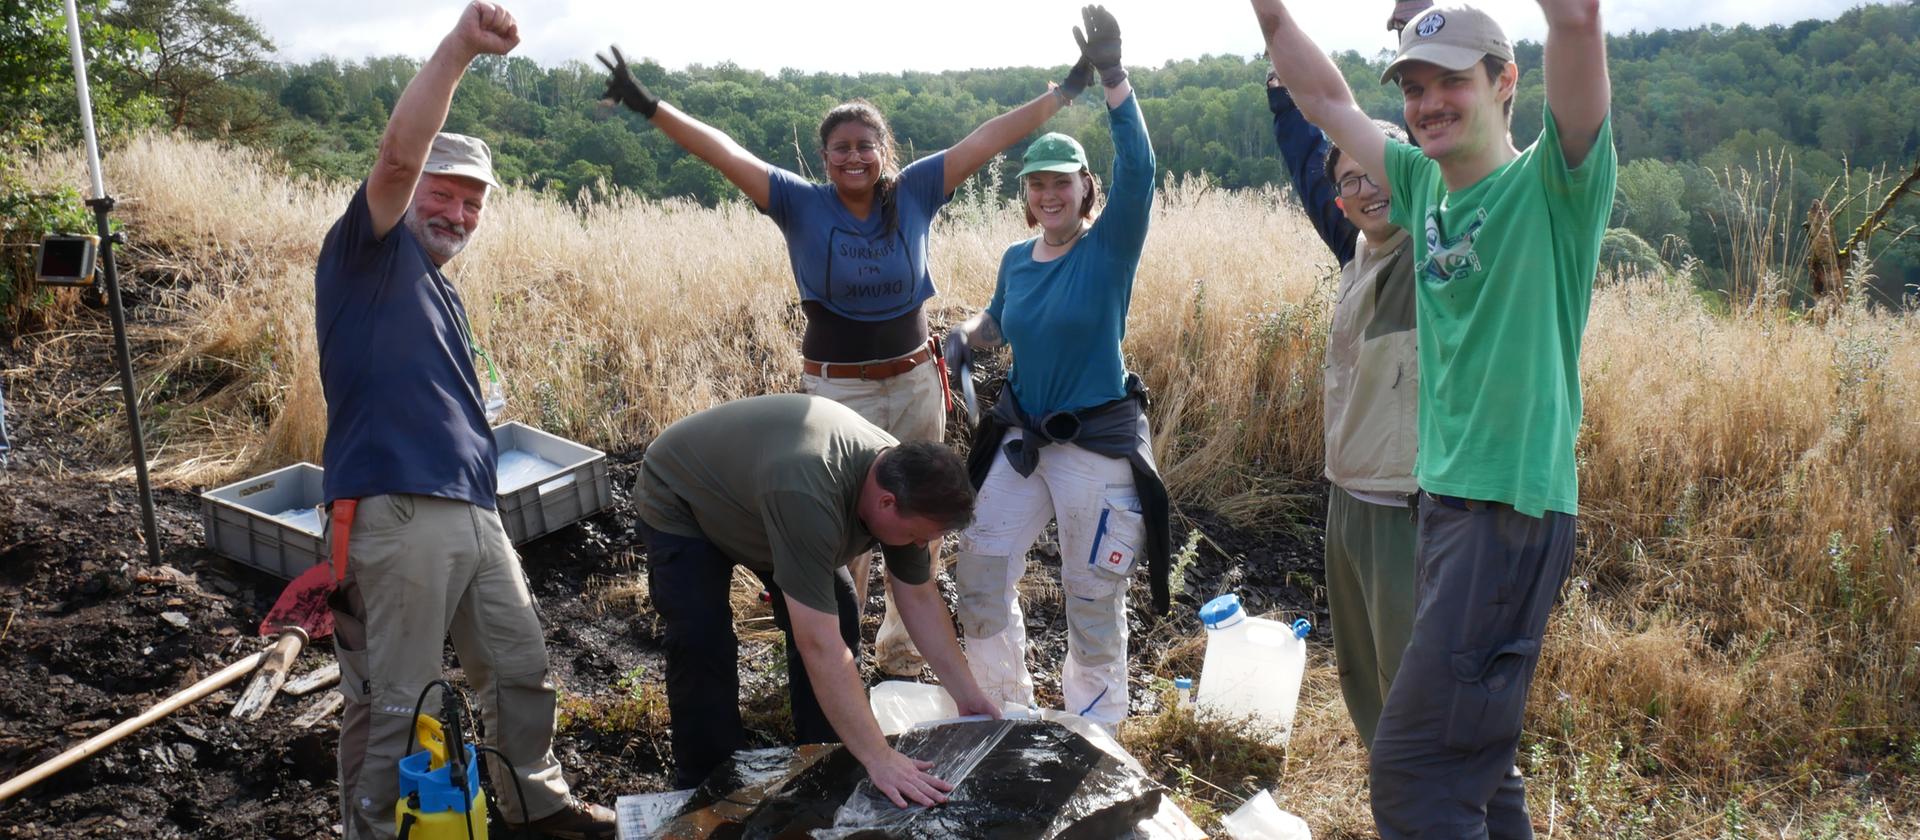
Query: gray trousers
x=418, y=569
x=1370, y=595
x=1442, y=764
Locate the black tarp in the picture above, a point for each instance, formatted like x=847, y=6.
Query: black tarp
x=1017, y=778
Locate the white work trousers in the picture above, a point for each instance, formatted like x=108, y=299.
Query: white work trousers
x=1093, y=498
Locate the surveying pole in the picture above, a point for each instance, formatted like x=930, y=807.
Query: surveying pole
x=102, y=205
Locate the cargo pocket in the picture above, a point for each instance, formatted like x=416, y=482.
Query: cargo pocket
x=986, y=593
x=1489, y=694
x=1117, y=536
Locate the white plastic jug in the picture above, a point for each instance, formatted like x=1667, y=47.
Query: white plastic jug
x=1261, y=819
x=1253, y=667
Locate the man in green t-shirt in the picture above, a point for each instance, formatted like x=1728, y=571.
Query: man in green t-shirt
x=793, y=487
x=1505, y=242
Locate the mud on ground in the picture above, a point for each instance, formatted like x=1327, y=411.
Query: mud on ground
x=92, y=634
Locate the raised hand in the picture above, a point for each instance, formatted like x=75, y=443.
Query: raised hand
x=1101, y=43
x=623, y=87
x=487, y=29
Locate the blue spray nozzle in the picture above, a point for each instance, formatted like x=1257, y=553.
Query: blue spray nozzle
x=1183, y=683
x=1301, y=627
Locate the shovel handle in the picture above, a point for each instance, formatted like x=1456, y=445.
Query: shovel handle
x=131, y=725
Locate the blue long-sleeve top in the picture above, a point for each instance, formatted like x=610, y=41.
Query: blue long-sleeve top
x=1065, y=318
x=1304, y=148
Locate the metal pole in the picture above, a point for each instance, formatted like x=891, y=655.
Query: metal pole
x=102, y=205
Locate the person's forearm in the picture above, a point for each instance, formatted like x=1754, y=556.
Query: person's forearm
x=422, y=110
x=1119, y=93
x=994, y=136
x=931, y=629
x=1571, y=15
x=843, y=698
x=1306, y=71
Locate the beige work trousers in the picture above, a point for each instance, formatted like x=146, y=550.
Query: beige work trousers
x=418, y=569
x=911, y=406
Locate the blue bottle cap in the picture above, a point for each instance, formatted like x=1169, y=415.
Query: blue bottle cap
x=1183, y=683
x=1301, y=627
x=1221, y=612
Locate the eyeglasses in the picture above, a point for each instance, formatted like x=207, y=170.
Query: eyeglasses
x=843, y=153
x=1350, y=186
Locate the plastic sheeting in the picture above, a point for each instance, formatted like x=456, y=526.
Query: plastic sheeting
x=1011, y=778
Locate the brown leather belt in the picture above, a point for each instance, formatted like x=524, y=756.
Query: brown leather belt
x=871, y=370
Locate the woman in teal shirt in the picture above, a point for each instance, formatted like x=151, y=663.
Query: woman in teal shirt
x=1067, y=439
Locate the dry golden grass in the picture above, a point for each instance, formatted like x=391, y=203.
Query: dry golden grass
x=1741, y=645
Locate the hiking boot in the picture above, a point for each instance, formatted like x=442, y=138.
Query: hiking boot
x=576, y=820
x=895, y=655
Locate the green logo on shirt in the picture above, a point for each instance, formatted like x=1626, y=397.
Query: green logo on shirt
x=1447, y=257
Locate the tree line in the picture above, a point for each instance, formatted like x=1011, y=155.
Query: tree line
x=1692, y=109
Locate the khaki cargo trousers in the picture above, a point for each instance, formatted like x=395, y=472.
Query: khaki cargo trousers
x=911, y=406
x=418, y=569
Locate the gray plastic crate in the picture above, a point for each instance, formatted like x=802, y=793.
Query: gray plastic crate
x=241, y=524
x=576, y=487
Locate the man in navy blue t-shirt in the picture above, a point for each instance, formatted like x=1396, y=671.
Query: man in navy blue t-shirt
x=417, y=545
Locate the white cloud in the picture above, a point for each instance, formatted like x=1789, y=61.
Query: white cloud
x=912, y=34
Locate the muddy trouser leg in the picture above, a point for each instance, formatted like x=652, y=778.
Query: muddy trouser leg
x=1008, y=514
x=504, y=654
x=1443, y=758
x=391, y=613
x=688, y=581
x=810, y=725
x=1100, y=529
x=1370, y=582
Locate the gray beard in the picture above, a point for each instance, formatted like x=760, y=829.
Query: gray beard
x=431, y=240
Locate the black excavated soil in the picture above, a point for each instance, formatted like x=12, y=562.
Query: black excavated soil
x=92, y=634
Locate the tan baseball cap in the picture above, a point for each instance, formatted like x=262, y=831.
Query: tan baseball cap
x=1454, y=37
x=458, y=154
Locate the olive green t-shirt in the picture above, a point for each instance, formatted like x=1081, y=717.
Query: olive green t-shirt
x=1505, y=275
x=774, y=483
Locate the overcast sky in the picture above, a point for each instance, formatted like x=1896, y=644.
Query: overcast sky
x=895, y=35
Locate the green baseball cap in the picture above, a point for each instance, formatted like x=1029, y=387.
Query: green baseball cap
x=1053, y=152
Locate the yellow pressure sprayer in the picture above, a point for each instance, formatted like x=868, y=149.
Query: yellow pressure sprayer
x=440, y=799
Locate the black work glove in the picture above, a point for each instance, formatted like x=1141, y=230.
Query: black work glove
x=1279, y=99
x=956, y=349
x=1077, y=80
x=623, y=87
x=1101, y=43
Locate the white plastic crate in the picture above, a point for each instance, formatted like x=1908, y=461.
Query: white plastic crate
x=547, y=482
x=271, y=522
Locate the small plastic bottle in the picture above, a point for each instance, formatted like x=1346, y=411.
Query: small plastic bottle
x=1183, y=691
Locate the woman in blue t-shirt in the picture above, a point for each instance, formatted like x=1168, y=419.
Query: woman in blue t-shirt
x=858, y=247
x=1067, y=440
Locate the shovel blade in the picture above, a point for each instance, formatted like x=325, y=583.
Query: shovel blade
x=303, y=604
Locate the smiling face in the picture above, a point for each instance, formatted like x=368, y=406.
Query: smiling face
x=1056, y=200
x=857, y=155
x=1365, y=203
x=444, y=213
x=1456, y=114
